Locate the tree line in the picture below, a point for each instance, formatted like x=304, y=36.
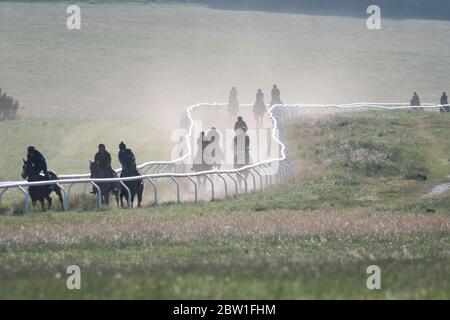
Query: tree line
x=395, y=8
x=9, y=107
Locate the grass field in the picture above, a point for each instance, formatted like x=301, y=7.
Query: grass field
x=68, y=145
x=356, y=200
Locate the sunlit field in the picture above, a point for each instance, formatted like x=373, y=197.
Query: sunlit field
x=313, y=237
x=364, y=190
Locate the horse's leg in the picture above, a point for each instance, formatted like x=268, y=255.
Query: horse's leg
x=49, y=200
x=133, y=194
x=42, y=204
x=107, y=198
x=140, y=193
x=61, y=200
x=121, y=199
x=116, y=194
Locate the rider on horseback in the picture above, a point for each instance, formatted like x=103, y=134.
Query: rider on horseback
x=37, y=160
x=276, y=99
x=103, y=160
x=233, y=103
x=415, y=100
x=259, y=108
x=240, y=124
x=127, y=160
x=444, y=103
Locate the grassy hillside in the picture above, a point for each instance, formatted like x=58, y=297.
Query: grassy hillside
x=357, y=200
x=68, y=145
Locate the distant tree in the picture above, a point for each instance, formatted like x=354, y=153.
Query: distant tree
x=8, y=107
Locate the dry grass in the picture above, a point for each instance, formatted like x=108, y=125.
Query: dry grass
x=153, y=229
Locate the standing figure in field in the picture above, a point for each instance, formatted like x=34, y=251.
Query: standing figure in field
x=415, y=100
x=276, y=96
x=241, y=148
x=259, y=108
x=37, y=160
x=444, y=103
x=31, y=172
x=213, y=153
x=233, y=103
x=129, y=169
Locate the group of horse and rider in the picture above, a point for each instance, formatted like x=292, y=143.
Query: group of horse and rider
x=35, y=169
x=209, y=154
x=259, y=107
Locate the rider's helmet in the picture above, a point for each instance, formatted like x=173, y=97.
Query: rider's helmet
x=101, y=147
x=31, y=149
x=122, y=146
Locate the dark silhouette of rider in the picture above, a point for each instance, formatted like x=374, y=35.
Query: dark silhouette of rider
x=103, y=159
x=259, y=95
x=276, y=96
x=233, y=103
x=215, y=151
x=37, y=160
x=241, y=146
x=126, y=159
x=415, y=100
x=444, y=103
x=240, y=124
x=444, y=98
x=233, y=97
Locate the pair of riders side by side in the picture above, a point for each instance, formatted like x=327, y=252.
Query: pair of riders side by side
x=101, y=167
x=443, y=102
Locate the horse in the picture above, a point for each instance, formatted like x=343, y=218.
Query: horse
x=259, y=109
x=40, y=193
x=105, y=187
x=136, y=187
x=233, y=109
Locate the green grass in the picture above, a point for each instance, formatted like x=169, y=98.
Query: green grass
x=356, y=201
x=233, y=269
x=68, y=145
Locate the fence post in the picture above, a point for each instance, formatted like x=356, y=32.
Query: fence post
x=285, y=167
x=270, y=175
x=128, y=191
x=254, y=179
x=212, y=185
x=1, y=194
x=225, y=184
x=65, y=198
x=99, y=194
x=266, y=174
x=26, y=205
x=235, y=183
x=245, y=180
x=195, y=188
x=178, y=188
x=155, y=191
x=68, y=190
x=260, y=177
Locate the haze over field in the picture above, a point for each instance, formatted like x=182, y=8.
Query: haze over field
x=146, y=60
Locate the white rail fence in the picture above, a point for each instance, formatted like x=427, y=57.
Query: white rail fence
x=261, y=174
